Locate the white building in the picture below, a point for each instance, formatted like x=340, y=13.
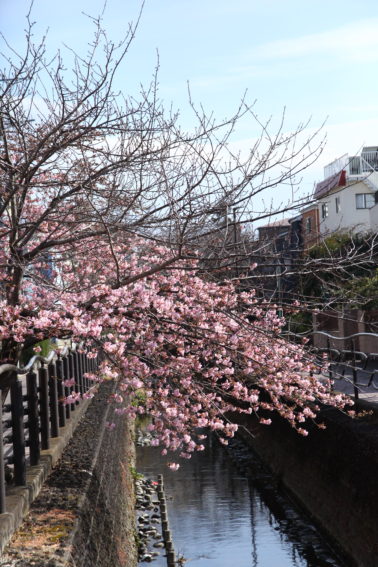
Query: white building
x=348, y=197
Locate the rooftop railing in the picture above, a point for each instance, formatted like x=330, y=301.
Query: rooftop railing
x=353, y=165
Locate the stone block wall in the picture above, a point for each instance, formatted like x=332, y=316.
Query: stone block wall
x=105, y=530
x=332, y=473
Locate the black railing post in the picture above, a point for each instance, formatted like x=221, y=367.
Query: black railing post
x=80, y=371
x=76, y=373
x=71, y=366
x=329, y=359
x=53, y=394
x=85, y=370
x=354, y=371
x=61, y=395
x=32, y=395
x=44, y=408
x=66, y=373
x=355, y=388
x=3, y=508
x=18, y=434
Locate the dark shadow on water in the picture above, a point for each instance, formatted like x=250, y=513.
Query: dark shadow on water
x=222, y=517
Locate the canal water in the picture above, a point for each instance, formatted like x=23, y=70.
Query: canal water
x=220, y=516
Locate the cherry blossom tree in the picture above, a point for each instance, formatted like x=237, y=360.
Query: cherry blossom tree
x=105, y=205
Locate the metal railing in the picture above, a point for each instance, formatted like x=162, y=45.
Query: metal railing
x=363, y=164
x=353, y=369
x=41, y=398
x=354, y=165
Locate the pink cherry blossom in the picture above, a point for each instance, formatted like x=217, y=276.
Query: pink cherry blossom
x=180, y=348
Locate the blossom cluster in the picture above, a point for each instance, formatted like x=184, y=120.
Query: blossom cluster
x=186, y=351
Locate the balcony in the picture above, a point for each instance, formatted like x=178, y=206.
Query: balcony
x=359, y=166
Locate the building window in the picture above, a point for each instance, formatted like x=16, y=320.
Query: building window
x=324, y=210
x=365, y=200
x=337, y=204
x=308, y=225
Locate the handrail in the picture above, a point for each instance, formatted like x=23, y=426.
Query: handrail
x=49, y=391
x=53, y=355
x=305, y=333
x=365, y=162
x=360, y=359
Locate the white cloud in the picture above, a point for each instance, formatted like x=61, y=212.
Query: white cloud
x=353, y=47
x=353, y=42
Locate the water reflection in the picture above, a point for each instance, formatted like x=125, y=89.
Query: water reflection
x=221, y=518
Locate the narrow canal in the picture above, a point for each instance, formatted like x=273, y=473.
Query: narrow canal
x=220, y=516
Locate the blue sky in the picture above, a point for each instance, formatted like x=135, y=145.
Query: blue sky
x=316, y=58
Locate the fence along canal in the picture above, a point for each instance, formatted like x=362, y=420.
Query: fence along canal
x=35, y=408
x=352, y=369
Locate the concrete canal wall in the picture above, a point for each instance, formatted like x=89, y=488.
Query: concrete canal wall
x=104, y=535
x=333, y=473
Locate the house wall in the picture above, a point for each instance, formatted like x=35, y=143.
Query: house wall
x=310, y=238
x=373, y=212
x=349, y=217
x=273, y=232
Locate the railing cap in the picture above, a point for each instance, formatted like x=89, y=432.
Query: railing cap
x=37, y=358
